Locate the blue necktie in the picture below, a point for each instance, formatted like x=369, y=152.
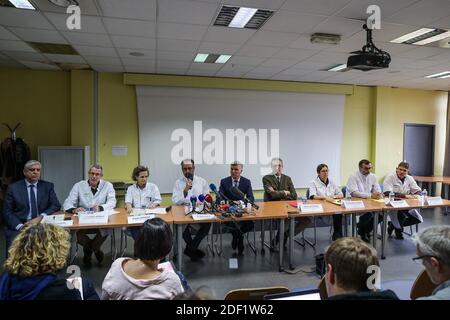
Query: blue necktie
x=34, y=210
x=235, y=183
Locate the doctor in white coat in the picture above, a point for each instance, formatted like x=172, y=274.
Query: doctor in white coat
x=95, y=195
x=403, y=186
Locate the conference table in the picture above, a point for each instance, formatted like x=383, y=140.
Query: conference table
x=267, y=211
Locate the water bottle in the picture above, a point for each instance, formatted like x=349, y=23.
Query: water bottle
x=348, y=196
x=423, y=197
x=304, y=200
x=391, y=196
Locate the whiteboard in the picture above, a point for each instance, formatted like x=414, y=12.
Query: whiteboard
x=309, y=130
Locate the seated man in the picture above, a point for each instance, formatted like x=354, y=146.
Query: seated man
x=278, y=187
x=349, y=263
x=235, y=179
x=97, y=195
x=403, y=186
x=28, y=200
x=364, y=184
x=185, y=187
x=433, y=248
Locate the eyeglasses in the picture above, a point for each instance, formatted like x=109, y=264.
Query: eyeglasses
x=419, y=258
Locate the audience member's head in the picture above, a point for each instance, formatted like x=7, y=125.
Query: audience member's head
x=154, y=241
x=38, y=249
x=433, y=248
x=347, y=263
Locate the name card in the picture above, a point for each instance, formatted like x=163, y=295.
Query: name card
x=140, y=218
x=434, y=201
x=93, y=218
x=57, y=219
x=310, y=208
x=399, y=204
x=353, y=204
x=203, y=216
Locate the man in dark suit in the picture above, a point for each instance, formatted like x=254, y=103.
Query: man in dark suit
x=235, y=179
x=278, y=187
x=28, y=200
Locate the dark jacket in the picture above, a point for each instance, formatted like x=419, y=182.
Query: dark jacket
x=245, y=186
x=367, y=295
x=16, y=207
x=279, y=188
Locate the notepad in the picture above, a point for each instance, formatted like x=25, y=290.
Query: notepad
x=337, y=202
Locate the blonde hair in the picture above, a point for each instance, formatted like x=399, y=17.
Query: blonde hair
x=38, y=249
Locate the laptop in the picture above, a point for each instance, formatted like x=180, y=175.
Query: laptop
x=297, y=295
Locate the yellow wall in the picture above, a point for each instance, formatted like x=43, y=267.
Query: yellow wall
x=118, y=126
x=373, y=117
x=40, y=100
x=394, y=108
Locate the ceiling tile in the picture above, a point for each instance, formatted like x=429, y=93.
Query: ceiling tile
x=65, y=58
x=38, y=35
x=87, y=39
x=134, y=42
x=125, y=53
x=304, y=42
x=272, y=38
x=23, y=18
x=136, y=28
x=294, y=54
x=129, y=9
x=107, y=68
x=357, y=8
x=6, y=35
x=148, y=63
x=87, y=7
x=259, y=4
x=139, y=69
x=248, y=61
x=421, y=13
x=229, y=35
x=279, y=63
x=177, y=45
x=12, y=45
x=39, y=65
x=258, y=51
x=181, y=31
x=189, y=12
x=95, y=51
x=285, y=21
x=172, y=64
x=103, y=60
x=27, y=56
x=341, y=26
x=177, y=56
x=89, y=24
x=218, y=47
x=324, y=7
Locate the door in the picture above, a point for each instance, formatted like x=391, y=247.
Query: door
x=418, y=148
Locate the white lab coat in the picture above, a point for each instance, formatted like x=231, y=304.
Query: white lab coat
x=362, y=186
x=409, y=186
x=139, y=198
x=318, y=188
x=199, y=186
x=81, y=196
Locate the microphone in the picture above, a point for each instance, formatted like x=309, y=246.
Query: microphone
x=201, y=198
x=193, y=200
x=239, y=194
x=213, y=188
x=208, y=198
x=190, y=176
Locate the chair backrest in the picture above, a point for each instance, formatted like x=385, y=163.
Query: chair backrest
x=254, y=293
x=323, y=289
x=423, y=286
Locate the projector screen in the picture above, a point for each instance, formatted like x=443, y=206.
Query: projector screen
x=218, y=126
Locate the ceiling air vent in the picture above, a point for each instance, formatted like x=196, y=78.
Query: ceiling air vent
x=53, y=48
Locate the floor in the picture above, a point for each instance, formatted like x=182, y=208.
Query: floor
x=262, y=270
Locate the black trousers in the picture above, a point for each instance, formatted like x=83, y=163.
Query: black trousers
x=240, y=227
x=337, y=223
x=365, y=224
x=193, y=243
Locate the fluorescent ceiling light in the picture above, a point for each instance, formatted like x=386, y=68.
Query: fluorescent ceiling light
x=22, y=4
x=242, y=17
x=339, y=67
x=439, y=75
x=433, y=39
x=444, y=77
x=201, y=57
x=223, y=58
x=412, y=35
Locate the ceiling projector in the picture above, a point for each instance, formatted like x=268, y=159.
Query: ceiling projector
x=369, y=57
